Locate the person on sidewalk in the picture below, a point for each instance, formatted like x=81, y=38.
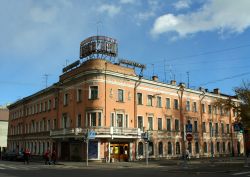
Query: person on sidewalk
x=47, y=157
x=26, y=156
x=53, y=157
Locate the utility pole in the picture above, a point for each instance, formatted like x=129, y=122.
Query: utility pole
x=180, y=94
x=188, y=79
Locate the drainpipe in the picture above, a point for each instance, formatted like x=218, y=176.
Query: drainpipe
x=202, y=96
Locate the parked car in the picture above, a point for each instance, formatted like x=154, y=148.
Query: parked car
x=13, y=156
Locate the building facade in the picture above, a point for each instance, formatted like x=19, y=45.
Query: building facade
x=121, y=107
x=4, y=117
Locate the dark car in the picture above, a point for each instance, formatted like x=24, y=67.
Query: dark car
x=13, y=156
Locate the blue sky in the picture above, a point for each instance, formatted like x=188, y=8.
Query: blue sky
x=209, y=39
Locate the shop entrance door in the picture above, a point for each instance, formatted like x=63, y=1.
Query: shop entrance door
x=119, y=151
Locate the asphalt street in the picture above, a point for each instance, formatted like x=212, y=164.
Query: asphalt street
x=154, y=169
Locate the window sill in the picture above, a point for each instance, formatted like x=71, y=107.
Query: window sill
x=92, y=99
x=120, y=101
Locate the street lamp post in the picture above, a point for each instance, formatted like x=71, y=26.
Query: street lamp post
x=180, y=95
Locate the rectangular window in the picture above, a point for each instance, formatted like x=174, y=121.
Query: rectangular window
x=41, y=107
x=209, y=109
x=48, y=125
x=195, y=126
x=194, y=107
x=176, y=105
x=99, y=119
x=79, y=121
x=65, y=99
x=187, y=105
x=211, y=128
x=159, y=105
x=49, y=105
x=55, y=103
x=159, y=123
x=215, y=109
x=228, y=131
x=65, y=121
x=216, y=128
x=150, y=100
x=168, y=103
x=79, y=95
x=150, y=123
x=139, y=98
x=119, y=120
x=222, y=128
x=120, y=95
x=54, y=124
x=112, y=119
x=92, y=119
x=93, y=92
x=140, y=122
x=204, y=127
x=45, y=106
x=168, y=124
x=203, y=108
x=177, y=125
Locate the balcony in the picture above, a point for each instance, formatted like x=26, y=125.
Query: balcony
x=101, y=132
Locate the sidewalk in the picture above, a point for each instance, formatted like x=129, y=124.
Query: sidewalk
x=168, y=164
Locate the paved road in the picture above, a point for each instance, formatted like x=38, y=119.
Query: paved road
x=18, y=169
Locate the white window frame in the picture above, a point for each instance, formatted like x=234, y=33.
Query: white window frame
x=152, y=122
x=123, y=94
x=138, y=121
x=78, y=95
x=90, y=91
x=159, y=104
x=141, y=98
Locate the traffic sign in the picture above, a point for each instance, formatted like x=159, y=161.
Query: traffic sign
x=189, y=136
x=91, y=134
x=188, y=127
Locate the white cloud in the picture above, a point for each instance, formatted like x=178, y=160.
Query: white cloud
x=182, y=4
x=111, y=10
x=127, y=1
x=41, y=15
x=224, y=16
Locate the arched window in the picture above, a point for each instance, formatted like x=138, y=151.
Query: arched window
x=212, y=148
x=140, y=148
x=224, y=147
x=169, y=148
x=218, y=147
x=177, y=148
x=160, y=148
x=197, y=148
x=205, y=147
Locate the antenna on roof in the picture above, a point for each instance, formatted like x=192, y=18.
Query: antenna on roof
x=46, y=80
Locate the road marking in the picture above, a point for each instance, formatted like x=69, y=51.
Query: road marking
x=2, y=168
x=241, y=173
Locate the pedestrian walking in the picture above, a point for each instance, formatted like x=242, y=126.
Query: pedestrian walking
x=187, y=154
x=53, y=157
x=26, y=156
x=47, y=157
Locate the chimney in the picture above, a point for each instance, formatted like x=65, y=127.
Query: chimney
x=155, y=78
x=173, y=82
x=182, y=84
x=217, y=91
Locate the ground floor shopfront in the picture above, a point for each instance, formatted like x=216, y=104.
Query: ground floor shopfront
x=125, y=145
